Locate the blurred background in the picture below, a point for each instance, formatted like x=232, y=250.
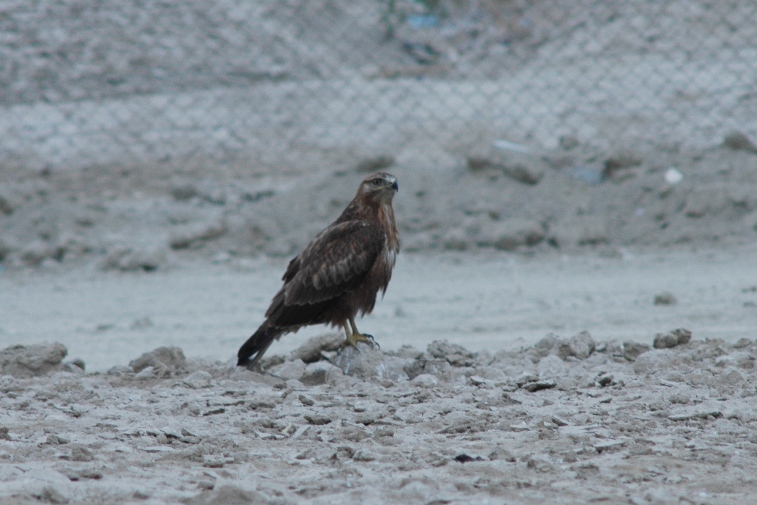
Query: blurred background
x=132, y=131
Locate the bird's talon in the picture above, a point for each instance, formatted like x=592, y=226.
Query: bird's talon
x=355, y=338
x=372, y=341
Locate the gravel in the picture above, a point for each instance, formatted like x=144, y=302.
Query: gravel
x=666, y=425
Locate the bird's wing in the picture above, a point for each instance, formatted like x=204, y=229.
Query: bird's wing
x=336, y=261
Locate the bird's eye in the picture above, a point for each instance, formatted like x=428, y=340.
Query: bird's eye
x=376, y=182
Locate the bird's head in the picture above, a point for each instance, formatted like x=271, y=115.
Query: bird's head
x=379, y=187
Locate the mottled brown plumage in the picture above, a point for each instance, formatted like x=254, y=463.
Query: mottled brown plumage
x=337, y=275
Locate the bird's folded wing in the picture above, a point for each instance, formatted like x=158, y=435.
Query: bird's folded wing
x=336, y=261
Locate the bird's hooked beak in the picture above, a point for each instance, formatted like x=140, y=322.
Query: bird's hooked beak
x=394, y=185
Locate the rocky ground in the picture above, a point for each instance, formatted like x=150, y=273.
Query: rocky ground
x=569, y=420
x=561, y=166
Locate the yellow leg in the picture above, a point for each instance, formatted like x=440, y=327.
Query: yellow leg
x=354, y=336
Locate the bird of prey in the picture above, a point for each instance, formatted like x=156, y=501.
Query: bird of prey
x=338, y=274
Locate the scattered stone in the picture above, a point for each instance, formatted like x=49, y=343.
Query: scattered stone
x=318, y=373
x=206, y=484
x=740, y=141
x=454, y=354
x=81, y=453
x=731, y=377
x=464, y=458
x=684, y=335
x=127, y=259
x=653, y=362
x=673, y=338
x=198, y=380
x=4, y=435
x=605, y=381
x=665, y=298
x=476, y=380
x=364, y=455
x=438, y=367
x=317, y=419
x=456, y=239
x=306, y=400
x=703, y=411
x=740, y=359
x=617, y=166
x=509, y=234
x=226, y=494
x=502, y=454
x=409, y=352
x=168, y=360
x=665, y=340
x=584, y=230
x=742, y=343
x=609, y=445
x=53, y=439
x=525, y=168
x=289, y=370
x=368, y=362
x=540, y=463
x=77, y=475
x=521, y=167
x=579, y=346
x=33, y=360
x=632, y=350
x=195, y=234
x=311, y=351
x=591, y=175
x=525, y=378
x=528, y=172
x=262, y=403
x=52, y=495
x=673, y=176
x=710, y=381
x=119, y=370
x=147, y=372
x=75, y=365
x=538, y=385
x=546, y=344
x=559, y=421
x=425, y=380
x=551, y=367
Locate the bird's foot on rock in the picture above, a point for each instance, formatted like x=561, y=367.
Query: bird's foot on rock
x=352, y=340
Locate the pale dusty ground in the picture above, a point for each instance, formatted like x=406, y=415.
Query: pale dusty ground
x=198, y=158
x=674, y=426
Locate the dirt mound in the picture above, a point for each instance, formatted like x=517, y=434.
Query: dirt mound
x=36, y=360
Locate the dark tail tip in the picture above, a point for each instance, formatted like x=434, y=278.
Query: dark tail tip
x=256, y=345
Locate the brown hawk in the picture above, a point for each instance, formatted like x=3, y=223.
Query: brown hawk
x=338, y=274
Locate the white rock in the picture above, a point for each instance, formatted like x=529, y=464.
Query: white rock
x=425, y=380
x=198, y=380
x=673, y=176
x=289, y=369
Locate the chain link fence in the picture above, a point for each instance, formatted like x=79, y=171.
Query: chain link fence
x=246, y=82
